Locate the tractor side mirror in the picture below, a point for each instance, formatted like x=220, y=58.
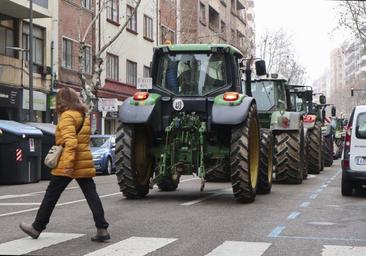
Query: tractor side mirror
x=260, y=68
x=322, y=99
x=334, y=112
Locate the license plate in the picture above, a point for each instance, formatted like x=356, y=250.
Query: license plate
x=360, y=160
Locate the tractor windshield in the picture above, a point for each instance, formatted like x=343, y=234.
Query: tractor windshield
x=268, y=94
x=192, y=74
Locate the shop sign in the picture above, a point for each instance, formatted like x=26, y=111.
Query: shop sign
x=144, y=83
x=9, y=97
x=107, y=105
x=39, y=100
x=52, y=101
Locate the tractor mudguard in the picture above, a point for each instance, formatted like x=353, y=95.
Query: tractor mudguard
x=138, y=112
x=231, y=114
x=282, y=120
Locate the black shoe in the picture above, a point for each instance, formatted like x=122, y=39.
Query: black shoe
x=29, y=230
x=101, y=236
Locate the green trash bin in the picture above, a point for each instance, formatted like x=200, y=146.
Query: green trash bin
x=48, y=140
x=20, y=158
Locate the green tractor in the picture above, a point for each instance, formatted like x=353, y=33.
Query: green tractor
x=339, y=124
x=284, y=127
x=318, y=133
x=192, y=118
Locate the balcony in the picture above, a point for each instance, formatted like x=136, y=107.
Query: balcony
x=20, y=9
x=12, y=73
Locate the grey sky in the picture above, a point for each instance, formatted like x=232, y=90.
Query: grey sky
x=310, y=22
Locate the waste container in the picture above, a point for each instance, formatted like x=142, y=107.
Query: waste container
x=48, y=141
x=20, y=157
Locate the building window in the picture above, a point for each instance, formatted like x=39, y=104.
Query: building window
x=213, y=19
x=86, y=4
x=66, y=53
x=241, y=39
x=7, y=35
x=132, y=24
x=87, y=60
x=113, y=11
x=223, y=30
x=146, y=71
x=131, y=72
x=112, y=66
x=203, y=13
x=167, y=35
x=148, y=27
x=233, y=36
x=38, y=43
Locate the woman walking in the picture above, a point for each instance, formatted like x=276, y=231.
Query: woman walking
x=76, y=162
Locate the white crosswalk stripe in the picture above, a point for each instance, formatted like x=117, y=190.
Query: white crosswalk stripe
x=133, y=246
x=26, y=245
x=238, y=248
x=336, y=250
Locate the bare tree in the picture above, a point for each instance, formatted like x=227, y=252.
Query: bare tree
x=90, y=86
x=277, y=49
x=352, y=16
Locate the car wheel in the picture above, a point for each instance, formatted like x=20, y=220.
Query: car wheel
x=109, y=166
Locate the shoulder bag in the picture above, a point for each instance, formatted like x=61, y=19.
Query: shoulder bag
x=53, y=155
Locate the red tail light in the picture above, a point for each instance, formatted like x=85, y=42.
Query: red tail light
x=347, y=140
x=231, y=96
x=140, y=95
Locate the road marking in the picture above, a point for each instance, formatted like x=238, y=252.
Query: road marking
x=322, y=223
x=18, y=204
x=293, y=215
x=311, y=176
x=276, y=231
x=324, y=186
x=29, y=194
x=26, y=245
x=237, y=248
x=335, y=250
x=197, y=178
x=60, y=204
x=304, y=204
x=201, y=199
x=133, y=246
x=313, y=196
x=319, y=190
x=323, y=238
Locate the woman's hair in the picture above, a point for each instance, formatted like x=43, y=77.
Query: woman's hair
x=68, y=99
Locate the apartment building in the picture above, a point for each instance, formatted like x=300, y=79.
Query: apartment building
x=216, y=21
x=129, y=57
x=14, y=59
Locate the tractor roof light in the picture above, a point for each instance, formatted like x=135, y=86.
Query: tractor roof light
x=141, y=96
x=231, y=96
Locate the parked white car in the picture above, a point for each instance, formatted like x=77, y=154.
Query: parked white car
x=354, y=154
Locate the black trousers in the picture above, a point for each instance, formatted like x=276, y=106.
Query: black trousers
x=56, y=186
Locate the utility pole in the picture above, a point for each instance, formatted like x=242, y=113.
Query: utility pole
x=31, y=119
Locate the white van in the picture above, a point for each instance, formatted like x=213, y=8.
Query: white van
x=354, y=154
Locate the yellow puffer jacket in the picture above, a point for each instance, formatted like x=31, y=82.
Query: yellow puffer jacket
x=76, y=154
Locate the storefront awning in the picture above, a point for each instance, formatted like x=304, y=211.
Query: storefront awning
x=20, y=9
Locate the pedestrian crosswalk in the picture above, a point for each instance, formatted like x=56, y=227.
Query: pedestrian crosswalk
x=140, y=246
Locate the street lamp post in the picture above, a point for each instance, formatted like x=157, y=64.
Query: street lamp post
x=31, y=61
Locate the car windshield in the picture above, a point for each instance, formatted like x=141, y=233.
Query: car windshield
x=192, y=74
x=98, y=142
x=269, y=93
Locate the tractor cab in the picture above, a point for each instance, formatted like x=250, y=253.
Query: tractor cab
x=270, y=95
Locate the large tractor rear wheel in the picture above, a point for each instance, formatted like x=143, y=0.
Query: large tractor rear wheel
x=134, y=162
x=313, y=149
x=328, y=150
x=244, y=158
x=265, y=162
x=168, y=184
x=289, y=155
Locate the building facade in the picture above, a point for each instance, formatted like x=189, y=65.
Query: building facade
x=14, y=59
x=216, y=21
x=128, y=57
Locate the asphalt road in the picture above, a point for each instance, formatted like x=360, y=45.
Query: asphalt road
x=308, y=219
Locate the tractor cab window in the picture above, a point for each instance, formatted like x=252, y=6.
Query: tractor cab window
x=192, y=74
x=269, y=93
